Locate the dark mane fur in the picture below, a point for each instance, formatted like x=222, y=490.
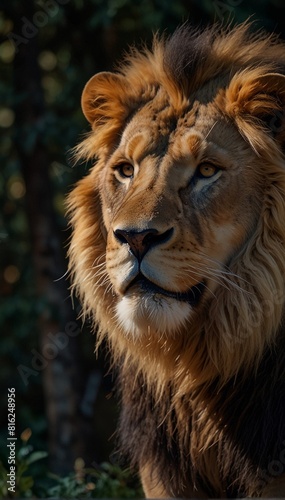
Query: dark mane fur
x=185, y=50
x=244, y=413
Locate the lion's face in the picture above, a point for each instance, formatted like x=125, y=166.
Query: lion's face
x=178, y=229
x=180, y=197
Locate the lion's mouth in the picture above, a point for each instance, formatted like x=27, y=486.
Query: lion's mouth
x=192, y=296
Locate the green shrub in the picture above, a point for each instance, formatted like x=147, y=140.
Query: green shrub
x=34, y=480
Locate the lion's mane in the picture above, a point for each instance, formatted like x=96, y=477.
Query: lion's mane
x=212, y=395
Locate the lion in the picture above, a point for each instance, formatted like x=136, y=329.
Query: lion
x=177, y=254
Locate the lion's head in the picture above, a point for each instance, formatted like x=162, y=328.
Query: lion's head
x=178, y=230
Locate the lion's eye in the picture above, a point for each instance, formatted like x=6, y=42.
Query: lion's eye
x=207, y=170
x=125, y=170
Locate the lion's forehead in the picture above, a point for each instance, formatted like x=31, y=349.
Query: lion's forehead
x=184, y=147
x=157, y=129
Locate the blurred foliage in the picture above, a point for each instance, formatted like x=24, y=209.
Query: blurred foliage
x=105, y=481
x=76, y=38
x=26, y=473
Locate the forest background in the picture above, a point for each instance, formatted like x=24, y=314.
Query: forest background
x=65, y=409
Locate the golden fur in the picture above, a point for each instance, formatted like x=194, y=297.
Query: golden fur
x=202, y=136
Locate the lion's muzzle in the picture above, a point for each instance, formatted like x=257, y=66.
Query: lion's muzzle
x=140, y=242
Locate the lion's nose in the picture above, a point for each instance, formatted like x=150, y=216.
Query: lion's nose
x=140, y=242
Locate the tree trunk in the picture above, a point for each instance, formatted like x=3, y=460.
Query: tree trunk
x=59, y=331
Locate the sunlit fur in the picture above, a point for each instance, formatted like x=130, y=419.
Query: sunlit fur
x=238, y=87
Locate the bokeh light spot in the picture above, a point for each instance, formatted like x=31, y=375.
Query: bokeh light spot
x=11, y=274
x=17, y=188
x=7, y=117
x=47, y=60
x=7, y=52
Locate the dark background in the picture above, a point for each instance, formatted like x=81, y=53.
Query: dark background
x=49, y=49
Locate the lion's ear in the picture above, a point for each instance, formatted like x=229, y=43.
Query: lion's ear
x=258, y=100
x=274, y=83
x=104, y=98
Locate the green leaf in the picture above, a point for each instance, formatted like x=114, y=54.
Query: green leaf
x=21, y=468
x=25, y=484
x=35, y=456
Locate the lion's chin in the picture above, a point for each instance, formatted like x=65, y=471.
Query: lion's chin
x=151, y=313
